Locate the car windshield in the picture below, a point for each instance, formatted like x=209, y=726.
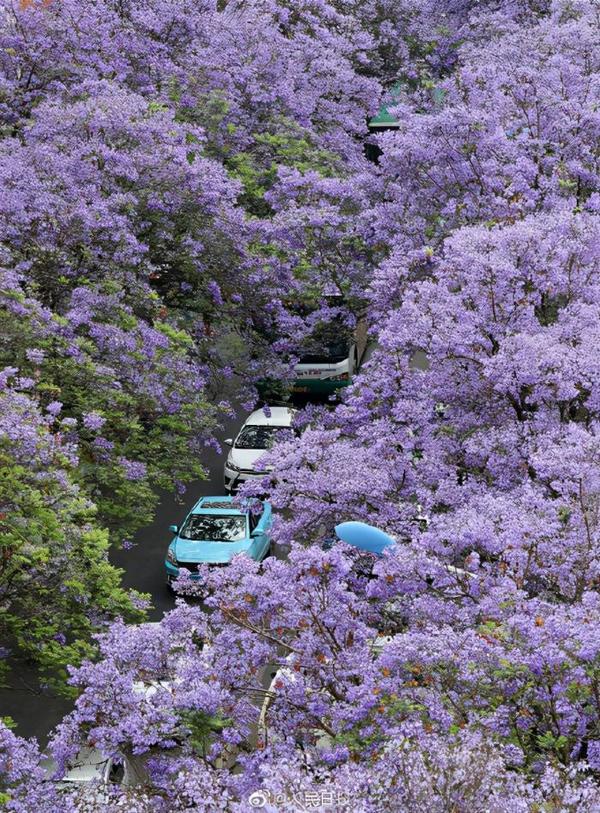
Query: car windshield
x=259, y=437
x=226, y=528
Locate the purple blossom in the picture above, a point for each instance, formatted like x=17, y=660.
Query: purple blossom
x=93, y=421
x=103, y=443
x=215, y=292
x=54, y=407
x=35, y=355
x=174, y=225
x=5, y=374
x=102, y=448
x=593, y=754
x=134, y=469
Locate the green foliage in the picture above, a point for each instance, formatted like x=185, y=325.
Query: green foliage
x=136, y=426
x=549, y=742
x=56, y=582
x=256, y=169
x=200, y=726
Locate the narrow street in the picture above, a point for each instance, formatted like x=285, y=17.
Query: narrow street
x=37, y=712
x=143, y=563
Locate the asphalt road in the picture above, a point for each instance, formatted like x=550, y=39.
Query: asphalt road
x=35, y=712
x=144, y=562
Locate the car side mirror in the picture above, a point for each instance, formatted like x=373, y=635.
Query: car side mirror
x=256, y=532
x=228, y=441
x=173, y=528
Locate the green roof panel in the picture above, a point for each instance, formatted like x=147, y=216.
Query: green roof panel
x=384, y=118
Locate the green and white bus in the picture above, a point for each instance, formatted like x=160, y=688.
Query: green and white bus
x=330, y=358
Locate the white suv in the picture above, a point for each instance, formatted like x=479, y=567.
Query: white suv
x=258, y=434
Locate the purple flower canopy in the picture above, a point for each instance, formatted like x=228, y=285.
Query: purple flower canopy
x=184, y=186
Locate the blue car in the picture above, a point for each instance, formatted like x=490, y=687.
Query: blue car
x=214, y=532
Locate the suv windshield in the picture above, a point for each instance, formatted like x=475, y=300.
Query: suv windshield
x=259, y=437
x=225, y=528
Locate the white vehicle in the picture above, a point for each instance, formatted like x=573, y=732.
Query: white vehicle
x=91, y=775
x=330, y=359
x=256, y=436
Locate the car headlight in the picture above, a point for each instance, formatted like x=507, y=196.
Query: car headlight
x=171, y=556
x=232, y=466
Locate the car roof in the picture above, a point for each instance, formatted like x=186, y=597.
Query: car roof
x=87, y=766
x=279, y=416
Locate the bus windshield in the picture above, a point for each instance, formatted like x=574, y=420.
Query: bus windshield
x=329, y=343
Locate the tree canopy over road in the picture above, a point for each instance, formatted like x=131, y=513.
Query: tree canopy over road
x=182, y=183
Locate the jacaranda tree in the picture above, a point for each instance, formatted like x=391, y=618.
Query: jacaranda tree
x=461, y=670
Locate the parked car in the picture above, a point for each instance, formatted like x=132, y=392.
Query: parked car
x=215, y=531
x=258, y=434
x=91, y=768
x=91, y=774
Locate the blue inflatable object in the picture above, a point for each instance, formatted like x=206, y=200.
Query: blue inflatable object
x=363, y=536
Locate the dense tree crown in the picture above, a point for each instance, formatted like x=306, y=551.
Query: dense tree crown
x=177, y=179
